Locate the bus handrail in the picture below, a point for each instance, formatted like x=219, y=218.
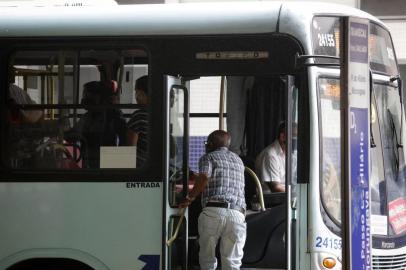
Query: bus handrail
x=182, y=211
x=259, y=187
x=175, y=235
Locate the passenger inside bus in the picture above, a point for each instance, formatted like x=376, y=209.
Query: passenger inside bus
x=221, y=183
x=19, y=96
x=26, y=128
x=270, y=163
x=138, y=123
x=98, y=126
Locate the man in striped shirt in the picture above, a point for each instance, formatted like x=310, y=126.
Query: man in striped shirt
x=138, y=123
x=221, y=182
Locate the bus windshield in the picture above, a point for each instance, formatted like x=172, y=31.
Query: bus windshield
x=387, y=193
x=326, y=41
x=388, y=187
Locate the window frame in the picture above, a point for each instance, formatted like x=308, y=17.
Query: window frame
x=151, y=172
x=333, y=224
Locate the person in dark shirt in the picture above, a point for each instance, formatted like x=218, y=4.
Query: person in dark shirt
x=98, y=126
x=138, y=123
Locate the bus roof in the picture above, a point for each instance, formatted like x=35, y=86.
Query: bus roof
x=169, y=19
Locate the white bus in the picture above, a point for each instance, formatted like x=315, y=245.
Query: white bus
x=71, y=193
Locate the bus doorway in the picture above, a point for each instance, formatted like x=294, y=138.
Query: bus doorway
x=250, y=108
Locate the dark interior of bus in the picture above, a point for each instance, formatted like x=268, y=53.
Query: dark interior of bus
x=255, y=107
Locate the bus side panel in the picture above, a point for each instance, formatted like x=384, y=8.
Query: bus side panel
x=110, y=224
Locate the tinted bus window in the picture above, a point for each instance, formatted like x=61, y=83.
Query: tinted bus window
x=77, y=109
x=326, y=41
x=388, y=187
x=382, y=54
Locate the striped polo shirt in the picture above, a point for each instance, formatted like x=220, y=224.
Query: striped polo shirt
x=225, y=171
x=139, y=124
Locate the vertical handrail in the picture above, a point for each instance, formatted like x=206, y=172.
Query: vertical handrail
x=221, y=109
x=120, y=76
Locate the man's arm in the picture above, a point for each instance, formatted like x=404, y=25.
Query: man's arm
x=135, y=126
x=132, y=137
x=276, y=186
x=200, y=185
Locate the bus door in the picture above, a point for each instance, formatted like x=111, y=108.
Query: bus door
x=177, y=149
x=291, y=97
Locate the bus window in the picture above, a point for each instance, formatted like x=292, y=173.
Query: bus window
x=177, y=142
x=204, y=115
x=392, y=188
x=378, y=189
x=72, y=109
x=330, y=180
x=326, y=41
x=381, y=51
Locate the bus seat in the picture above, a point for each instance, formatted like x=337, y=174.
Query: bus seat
x=274, y=199
x=264, y=247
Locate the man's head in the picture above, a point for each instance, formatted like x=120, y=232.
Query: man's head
x=217, y=139
x=141, y=90
x=282, y=135
x=96, y=93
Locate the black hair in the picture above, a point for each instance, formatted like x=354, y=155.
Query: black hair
x=281, y=127
x=99, y=89
x=142, y=84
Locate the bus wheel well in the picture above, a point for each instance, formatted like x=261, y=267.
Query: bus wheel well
x=50, y=264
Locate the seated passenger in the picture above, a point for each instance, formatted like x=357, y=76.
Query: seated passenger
x=19, y=96
x=24, y=128
x=138, y=123
x=98, y=126
x=270, y=163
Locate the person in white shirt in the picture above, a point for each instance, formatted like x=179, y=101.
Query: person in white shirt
x=270, y=163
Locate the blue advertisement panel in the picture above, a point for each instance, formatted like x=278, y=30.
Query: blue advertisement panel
x=360, y=214
x=357, y=185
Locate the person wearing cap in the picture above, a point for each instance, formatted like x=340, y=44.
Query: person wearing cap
x=270, y=163
x=221, y=183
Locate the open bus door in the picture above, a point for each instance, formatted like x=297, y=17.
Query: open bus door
x=271, y=241
x=177, y=150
